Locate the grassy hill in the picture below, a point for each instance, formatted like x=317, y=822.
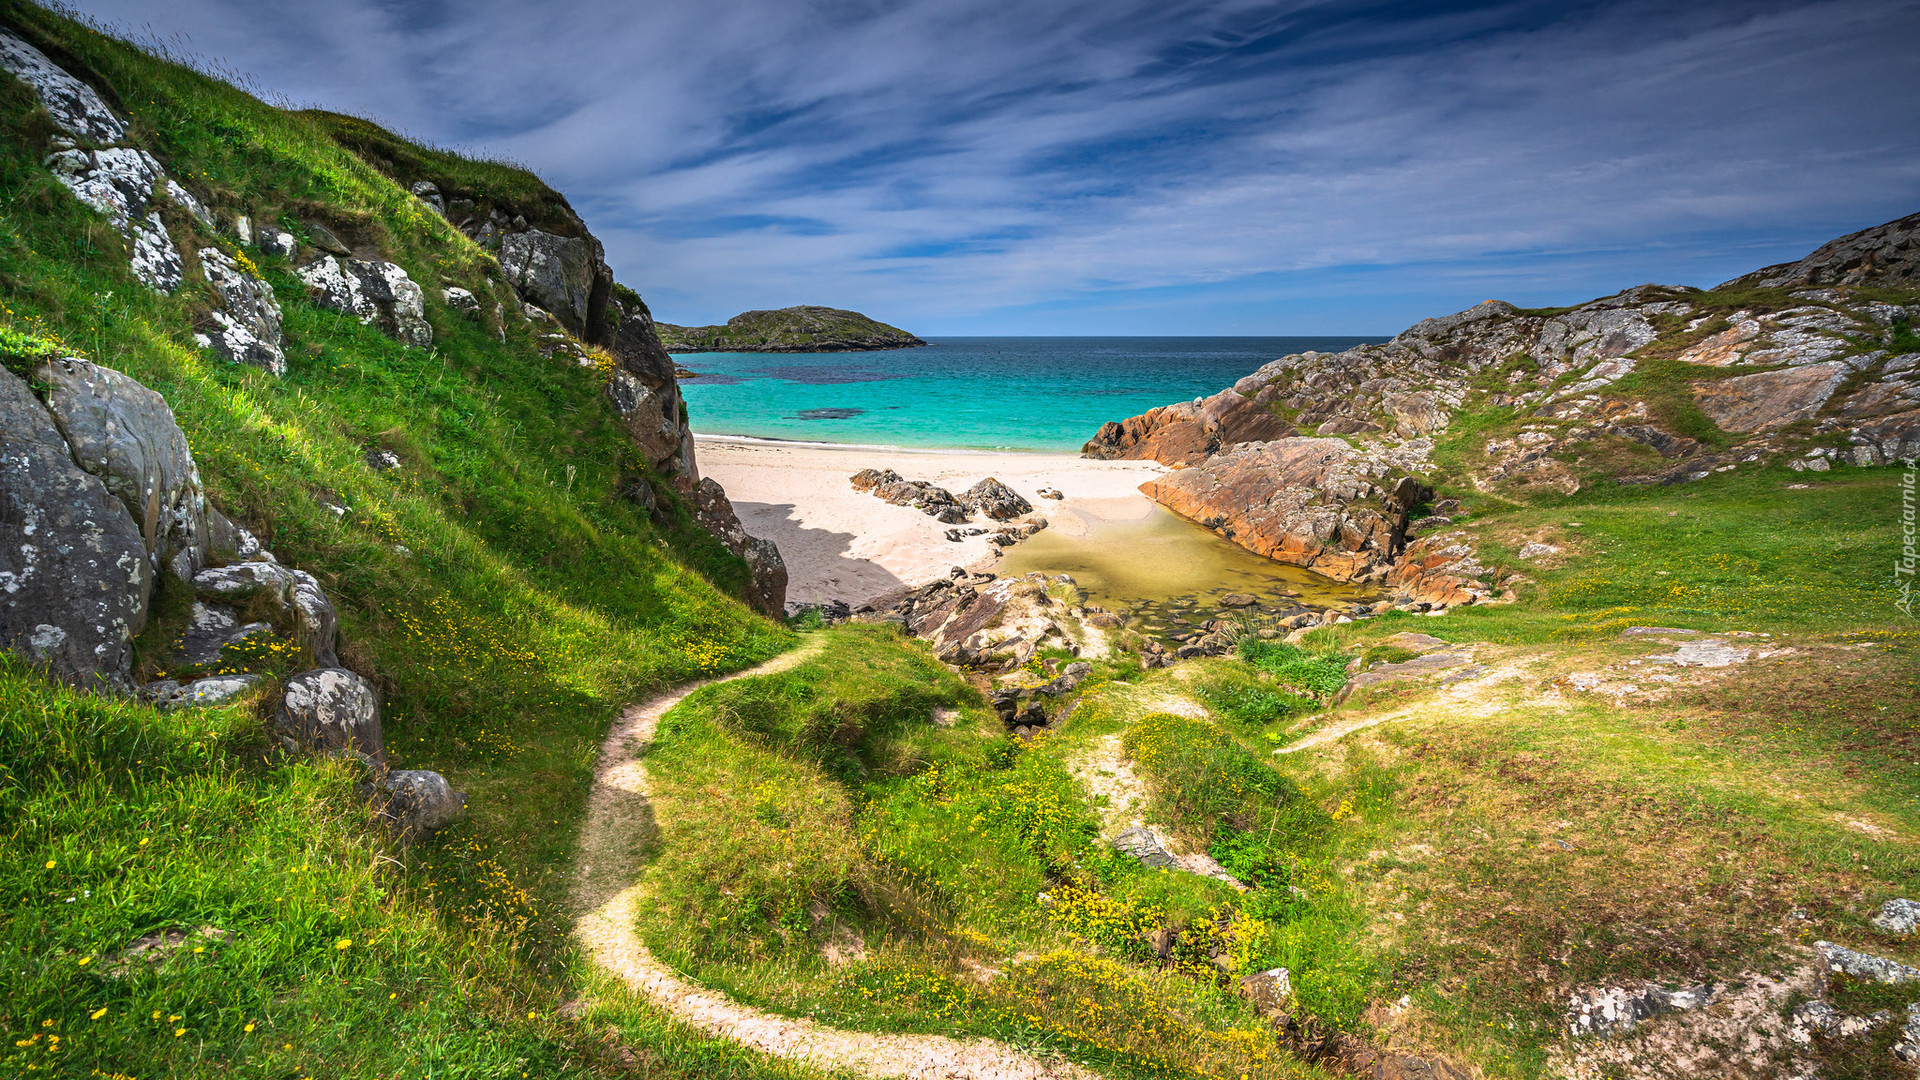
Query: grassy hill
x=794, y=329
x=503, y=597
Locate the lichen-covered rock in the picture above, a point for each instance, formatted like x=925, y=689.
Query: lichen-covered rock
x=565, y=275
x=1840, y=960
x=126, y=186
x=168, y=694
x=295, y=593
x=1899, y=917
x=74, y=569
x=378, y=293
x=246, y=328
x=1315, y=503
x=768, y=593
x=420, y=802
x=125, y=434
x=76, y=107
x=460, y=300
x=652, y=420
x=331, y=709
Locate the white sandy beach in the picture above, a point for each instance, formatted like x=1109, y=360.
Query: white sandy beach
x=841, y=544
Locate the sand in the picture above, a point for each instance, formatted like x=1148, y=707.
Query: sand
x=841, y=544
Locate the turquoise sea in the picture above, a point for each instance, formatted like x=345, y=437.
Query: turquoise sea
x=1005, y=393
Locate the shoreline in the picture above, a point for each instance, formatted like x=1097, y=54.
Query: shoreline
x=841, y=544
x=885, y=448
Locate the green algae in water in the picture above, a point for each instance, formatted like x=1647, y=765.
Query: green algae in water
x=1163, y=559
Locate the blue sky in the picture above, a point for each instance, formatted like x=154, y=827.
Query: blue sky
x=1135, y=166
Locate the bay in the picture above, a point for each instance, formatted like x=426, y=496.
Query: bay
x=986, y=393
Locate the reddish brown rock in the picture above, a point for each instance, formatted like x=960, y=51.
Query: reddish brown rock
x=1771, y=398
x=1315, y=503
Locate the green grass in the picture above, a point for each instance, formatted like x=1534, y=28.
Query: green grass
x=502, y=595
x=820, y=812
x=325, y=958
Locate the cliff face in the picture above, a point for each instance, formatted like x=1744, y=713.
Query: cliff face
x=1813, y=363
x=794, y=329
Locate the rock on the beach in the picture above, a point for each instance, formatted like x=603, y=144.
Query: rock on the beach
x=74, y=568
x=994, y=499
x=1315, y=503
x=331, y=709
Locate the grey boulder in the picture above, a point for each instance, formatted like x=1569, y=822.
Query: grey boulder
x=1899, y=917
x=331, y=709
x=127, y=186
x=1144, y=846
x=212, y=628
x=420, y=802
x=246, y=328
x=378, y=293
x=74, y=571
x=125, y=434
x=768, y=592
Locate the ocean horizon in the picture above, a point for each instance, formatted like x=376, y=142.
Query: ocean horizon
x=1048, y=394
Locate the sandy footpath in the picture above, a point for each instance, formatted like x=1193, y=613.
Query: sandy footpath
x=840, y=544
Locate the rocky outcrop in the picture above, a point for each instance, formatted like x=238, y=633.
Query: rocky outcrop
x=646, y=394
x=794, y=329
x=993, y=499
x=75, y=574
x=378, y=293
x=1314, y=503
x=125, y=434
x=768, y=593
x=132, y=190
x=294, y=594
x=246, y=328
x=565, y=275
x=981, y=621
x=1885, y=255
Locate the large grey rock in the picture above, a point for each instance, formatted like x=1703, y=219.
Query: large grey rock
x=1608, y=1011
x=652, y=419
x=768, y=593
x=126, y=186
x=74, y=571
x=76, y=107
x=1146, y=847
x=331, y=709
x=246, y=328
x=560, y=274
x=378, y=293
x=420, y=802
x=296, y=594
x=125, y=434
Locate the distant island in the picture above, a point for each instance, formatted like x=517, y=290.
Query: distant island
x=795, y=329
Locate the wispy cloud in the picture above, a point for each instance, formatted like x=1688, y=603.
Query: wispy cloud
x=983, y=165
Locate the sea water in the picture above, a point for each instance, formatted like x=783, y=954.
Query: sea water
x=985, y=393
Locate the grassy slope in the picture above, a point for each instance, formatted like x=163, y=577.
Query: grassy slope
x=529, y=604
x=1481, y=856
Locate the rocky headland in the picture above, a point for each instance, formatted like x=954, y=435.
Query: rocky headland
x=800, y=329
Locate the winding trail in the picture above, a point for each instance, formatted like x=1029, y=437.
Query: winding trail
x=620, y=822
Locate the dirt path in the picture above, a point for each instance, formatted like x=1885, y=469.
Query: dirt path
x=619, y=823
